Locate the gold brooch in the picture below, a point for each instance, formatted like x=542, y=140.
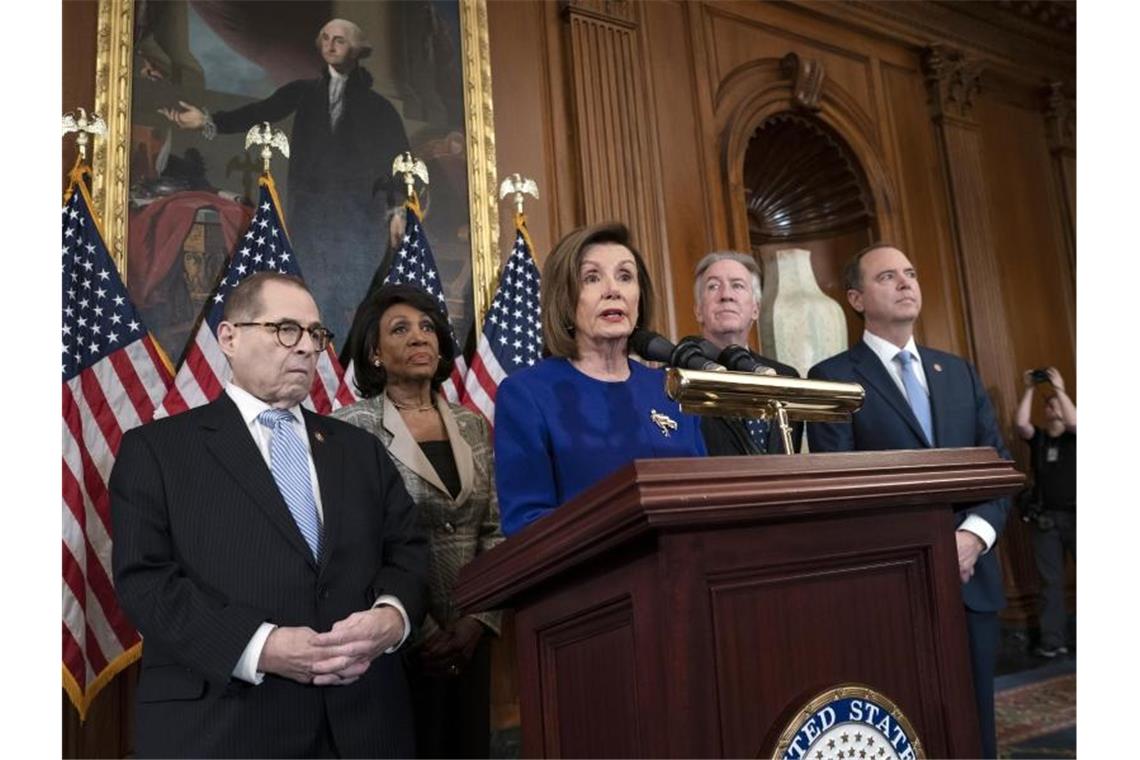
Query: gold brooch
x=662, y=421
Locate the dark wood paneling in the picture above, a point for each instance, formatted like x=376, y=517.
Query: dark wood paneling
x=822, y=622
x=589, y=678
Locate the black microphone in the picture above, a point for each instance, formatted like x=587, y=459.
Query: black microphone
x=739, y=359
x=693, y=350
x=651, y=346
x=687, y=355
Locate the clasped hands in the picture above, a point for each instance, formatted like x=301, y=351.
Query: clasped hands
x=337, y=657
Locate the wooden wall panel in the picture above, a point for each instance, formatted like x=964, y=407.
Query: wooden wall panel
x=922, y=199
x=675, y=99
x=745, y=32
x=530, y=119
x=1027, y=219
x=79, y=23
x=1027, y=212
x=617, y=143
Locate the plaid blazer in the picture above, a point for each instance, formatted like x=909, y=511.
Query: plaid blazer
x=459, y=528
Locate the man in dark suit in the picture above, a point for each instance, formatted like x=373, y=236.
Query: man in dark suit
x=921, y=398
x=269, y=557
x=344, y=138
x=726, y=298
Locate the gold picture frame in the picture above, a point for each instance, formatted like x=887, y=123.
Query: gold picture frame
x=111, y=155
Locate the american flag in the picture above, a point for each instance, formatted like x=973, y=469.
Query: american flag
x=114, y=375
x=512, y=329
x=205, y=372
x=413, y=264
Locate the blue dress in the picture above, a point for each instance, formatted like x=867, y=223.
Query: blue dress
x=559, y=431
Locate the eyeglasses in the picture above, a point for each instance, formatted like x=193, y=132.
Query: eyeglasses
x=289, y=333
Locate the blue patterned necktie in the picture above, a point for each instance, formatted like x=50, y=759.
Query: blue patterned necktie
x=916, y=395
x=289, y=463
x=758, y=432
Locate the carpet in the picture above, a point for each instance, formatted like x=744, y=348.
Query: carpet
x=1032, y=710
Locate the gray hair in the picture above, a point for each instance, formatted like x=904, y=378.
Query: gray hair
x=361, y=47
x=744, y=259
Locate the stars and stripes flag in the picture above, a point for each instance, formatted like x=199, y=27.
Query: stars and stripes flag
x=205, y=371
x=413, y=264
x=512, y=329
x=114, y=375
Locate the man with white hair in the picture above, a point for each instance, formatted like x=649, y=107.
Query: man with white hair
x=726, y=293
x=344, y=138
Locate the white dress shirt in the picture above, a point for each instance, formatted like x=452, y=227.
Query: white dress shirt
x=337, y=82
x=888, y=353
x=249, y=406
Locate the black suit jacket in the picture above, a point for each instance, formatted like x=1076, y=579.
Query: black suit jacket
x=206, y=550
x=962, y=416
x=728, y=436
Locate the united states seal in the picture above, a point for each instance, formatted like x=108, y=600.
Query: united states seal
x=849, y=722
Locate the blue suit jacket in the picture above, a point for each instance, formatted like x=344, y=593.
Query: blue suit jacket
x=963, y=416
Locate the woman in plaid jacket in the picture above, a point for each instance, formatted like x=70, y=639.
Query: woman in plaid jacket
x=443, y=451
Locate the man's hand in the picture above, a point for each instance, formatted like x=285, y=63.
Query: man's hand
x=188, y=117
x=446, y=653
x=353, y=643
x=1055, y=379
x=290, y=652
x=970, y=547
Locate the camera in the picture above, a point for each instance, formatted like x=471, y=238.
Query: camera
x=1040, y=376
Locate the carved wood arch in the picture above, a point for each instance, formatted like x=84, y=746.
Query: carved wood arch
x=802, y=182
x=753, y=93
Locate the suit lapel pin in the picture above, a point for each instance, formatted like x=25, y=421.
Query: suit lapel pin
x=662, y=421
x=319, y=436
x=937, y=367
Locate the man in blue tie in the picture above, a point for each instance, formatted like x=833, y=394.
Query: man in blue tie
x=268, y=556
x=917, y=397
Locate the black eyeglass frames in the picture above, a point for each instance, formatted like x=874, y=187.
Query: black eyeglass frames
x=289, y=333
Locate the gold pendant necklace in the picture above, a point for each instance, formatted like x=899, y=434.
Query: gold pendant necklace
x=410, y=407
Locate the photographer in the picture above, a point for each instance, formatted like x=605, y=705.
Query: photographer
x=1052, y=504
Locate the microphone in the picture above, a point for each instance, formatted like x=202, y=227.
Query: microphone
x=687, y=354
x=739, y=359
x=649, y=345
x=692, y=352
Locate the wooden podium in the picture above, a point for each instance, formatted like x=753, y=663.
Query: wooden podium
x=689, y=607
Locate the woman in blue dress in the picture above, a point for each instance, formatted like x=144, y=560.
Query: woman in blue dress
x=578, y=416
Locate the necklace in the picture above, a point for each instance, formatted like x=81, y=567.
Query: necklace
x=411, y=407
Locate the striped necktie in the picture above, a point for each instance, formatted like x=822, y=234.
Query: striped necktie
x=289, y=463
